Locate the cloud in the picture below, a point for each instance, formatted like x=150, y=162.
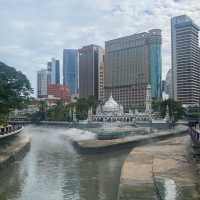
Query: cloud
x=33, y=31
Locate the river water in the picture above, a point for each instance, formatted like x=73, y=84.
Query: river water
x=53, y=170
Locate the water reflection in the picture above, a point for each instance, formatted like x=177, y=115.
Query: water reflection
x=102, y=178
x=53, y=170
x=11, y=182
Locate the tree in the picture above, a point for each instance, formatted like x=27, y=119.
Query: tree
x=82, y=108
x=176, y=111
x=43, y=107
x=15, y=90
x=156, y=105
x=193, y=113
x=92, y=102
x=59, y=111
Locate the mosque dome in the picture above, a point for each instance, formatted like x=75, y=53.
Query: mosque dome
x=112, y=106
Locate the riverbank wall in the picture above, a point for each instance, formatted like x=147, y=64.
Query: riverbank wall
x=59, y=123
x=14, y=149
x=160, y=171
x=155, y=125
x=104, y=146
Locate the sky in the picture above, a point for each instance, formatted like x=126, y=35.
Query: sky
x=34, y=31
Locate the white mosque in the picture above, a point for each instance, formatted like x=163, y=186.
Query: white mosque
x=111, y=111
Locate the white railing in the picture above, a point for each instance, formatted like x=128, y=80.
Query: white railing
x=10, y=129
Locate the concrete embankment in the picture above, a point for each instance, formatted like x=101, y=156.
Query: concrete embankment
x=103, y=146
x=13, y=149
x=160, y=171
x=60, y=123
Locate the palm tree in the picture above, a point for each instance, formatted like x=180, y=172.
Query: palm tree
x=43, y=110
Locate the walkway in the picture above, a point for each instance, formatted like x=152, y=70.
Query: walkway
x=13, y=149
x=161, y=171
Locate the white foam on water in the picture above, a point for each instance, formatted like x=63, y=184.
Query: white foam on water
x=79, y=135
x=170, y=189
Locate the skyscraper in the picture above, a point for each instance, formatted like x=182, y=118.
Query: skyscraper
x=54, y=68
x=89, y=64
x=168, y=88
x=49, y=66
x=70, y=69
x=131, y=63
x=101, y=70
x=185, y=60
x=43, y=80
x=155, y=62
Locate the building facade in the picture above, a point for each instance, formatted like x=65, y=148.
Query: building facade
x=131, y=63
x=49, y=66
x=59, y=91
x=70, y=70
x=43, y=79
x=155, y=62
x=54, y=68
x=89, y=62
x=185, y=60
x=168, y=81
x=101, y=70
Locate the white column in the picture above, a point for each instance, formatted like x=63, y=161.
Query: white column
x=148, y=99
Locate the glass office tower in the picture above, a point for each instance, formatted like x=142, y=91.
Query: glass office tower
x=54, y=68
x=155, y=62
x=70, y=70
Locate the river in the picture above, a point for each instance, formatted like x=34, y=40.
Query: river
x=53, y=170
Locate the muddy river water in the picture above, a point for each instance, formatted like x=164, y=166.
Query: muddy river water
x=53, y=170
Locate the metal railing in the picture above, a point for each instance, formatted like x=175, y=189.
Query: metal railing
x=195, y=135
x=9, y=129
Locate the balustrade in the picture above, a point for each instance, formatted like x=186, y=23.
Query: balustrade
x=9, y=129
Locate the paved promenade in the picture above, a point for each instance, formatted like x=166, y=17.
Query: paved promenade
x=161, y=171
x=14, y=149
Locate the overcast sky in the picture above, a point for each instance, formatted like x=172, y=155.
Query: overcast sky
x=33, y=31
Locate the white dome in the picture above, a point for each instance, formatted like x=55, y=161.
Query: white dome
x=111, y=105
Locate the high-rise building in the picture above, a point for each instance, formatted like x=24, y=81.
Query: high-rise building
x=49, y=66
x=89, y=64
x=70, y=70
x=54, y=68
x=43, y=80
x=168, y=81
x=163, y=86
x=185, y=60
x=131, y=63
x=101, y=75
